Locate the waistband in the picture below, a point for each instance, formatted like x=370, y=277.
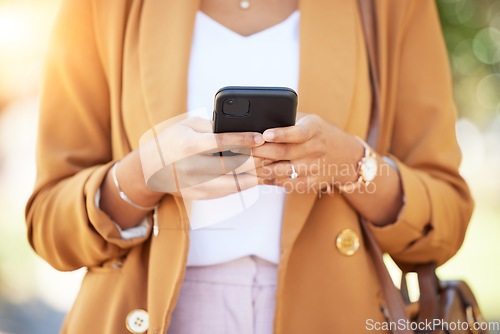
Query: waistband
x=246, y=271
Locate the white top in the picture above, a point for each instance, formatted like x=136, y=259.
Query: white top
x=249, y=222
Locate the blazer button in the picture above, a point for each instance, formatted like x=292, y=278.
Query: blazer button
x=137, y=321
x=347, y=242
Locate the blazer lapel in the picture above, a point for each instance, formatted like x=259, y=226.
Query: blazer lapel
x=327, y=58
x=327, y=78
x=166, y=32
x=165, y=35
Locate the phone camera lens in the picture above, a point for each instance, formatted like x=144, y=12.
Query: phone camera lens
x=236, y=107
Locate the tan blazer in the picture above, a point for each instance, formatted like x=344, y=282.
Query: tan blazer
x=116, y=68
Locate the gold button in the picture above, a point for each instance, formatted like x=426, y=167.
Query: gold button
x=347, y=242
x=137, y=321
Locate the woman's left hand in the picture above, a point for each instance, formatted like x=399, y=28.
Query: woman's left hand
x=321, y=153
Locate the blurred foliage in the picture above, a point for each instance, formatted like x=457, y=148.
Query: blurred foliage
x=472, y=33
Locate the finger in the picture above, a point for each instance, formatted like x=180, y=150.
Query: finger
x=251, y=164
x=221, y=186
x=284, y=170
x=234, y=139
x=278, y=151
x=194, y=170
x=258, y=161
x=202, y=166
x=273, y=171
x=240, y=164
x=211, y=143
x=299, y=133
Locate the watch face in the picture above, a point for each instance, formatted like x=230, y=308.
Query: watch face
x=370, y=168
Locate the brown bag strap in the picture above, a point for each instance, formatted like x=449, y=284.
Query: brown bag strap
x=394, y=302
x=429, y=287
x=428, y=284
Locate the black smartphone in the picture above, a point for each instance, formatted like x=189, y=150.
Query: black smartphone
x=253, y=109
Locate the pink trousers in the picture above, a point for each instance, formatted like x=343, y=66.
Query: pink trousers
x=228, y=298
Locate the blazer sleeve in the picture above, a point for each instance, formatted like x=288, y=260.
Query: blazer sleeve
x=433, y=222
x=64, y=225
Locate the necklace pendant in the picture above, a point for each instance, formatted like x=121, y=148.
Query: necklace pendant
x=244, y=4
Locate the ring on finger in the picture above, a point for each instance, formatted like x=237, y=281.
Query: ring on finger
x=294, y=174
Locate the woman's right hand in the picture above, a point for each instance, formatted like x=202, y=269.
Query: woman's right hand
x=189, y=160
x=189, y=145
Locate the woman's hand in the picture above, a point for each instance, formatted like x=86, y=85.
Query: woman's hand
x=325, y=156
x=321, y=153
x=183, y=160
x=195, y=160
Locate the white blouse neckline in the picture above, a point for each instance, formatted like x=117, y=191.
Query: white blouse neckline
x=290, y=20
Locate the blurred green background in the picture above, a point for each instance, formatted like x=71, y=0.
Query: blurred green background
x=34, y=297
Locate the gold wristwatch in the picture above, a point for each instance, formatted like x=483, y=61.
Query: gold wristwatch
x=367, y=169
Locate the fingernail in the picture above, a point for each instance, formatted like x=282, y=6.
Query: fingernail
x=258, y=139
x=269, y=135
